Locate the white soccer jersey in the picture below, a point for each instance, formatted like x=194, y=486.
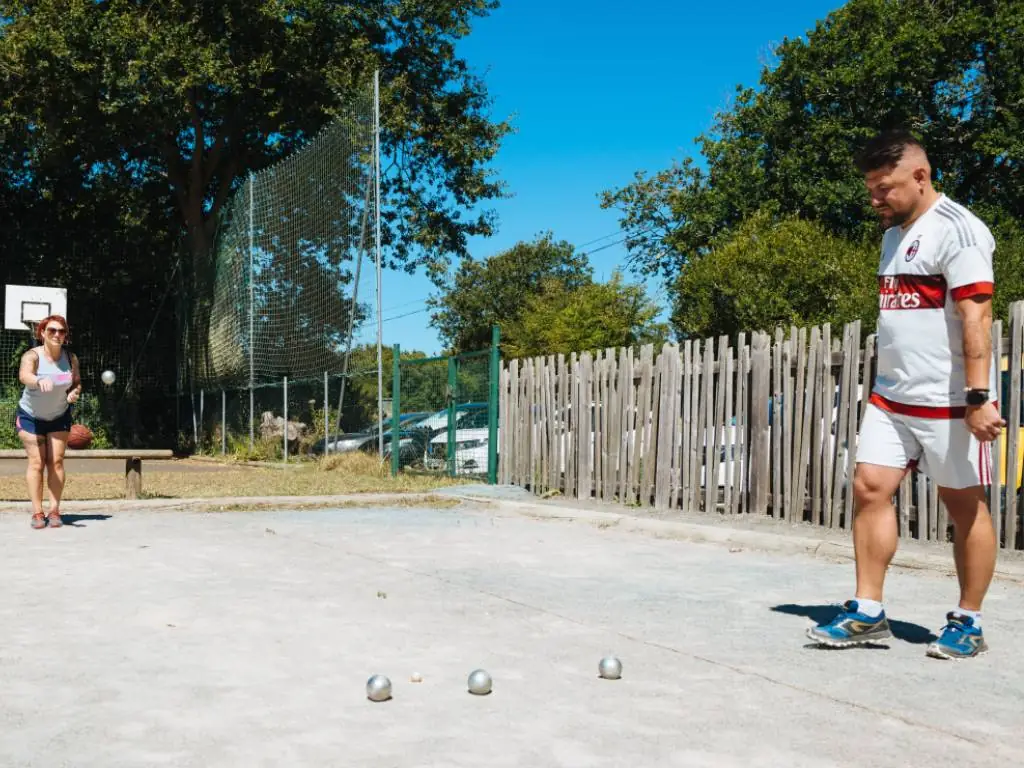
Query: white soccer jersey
x=946, y=255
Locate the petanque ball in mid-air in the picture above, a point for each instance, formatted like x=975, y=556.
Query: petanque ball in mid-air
x=610, y=668
x=479, y=682
x=378, y=688
x=108, y=377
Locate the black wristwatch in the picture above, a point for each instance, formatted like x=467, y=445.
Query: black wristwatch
x=976, y=397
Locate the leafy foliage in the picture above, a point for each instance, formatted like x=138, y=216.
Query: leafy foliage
x=181, y=98
x=952, y=70
x=125, y=127
x=771, y=274
x=594, y=316
x=496, y=291
x=1008, y=262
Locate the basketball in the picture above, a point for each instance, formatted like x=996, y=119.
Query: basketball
x=79, y=437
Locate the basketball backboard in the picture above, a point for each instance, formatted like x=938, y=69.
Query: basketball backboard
x=28, y=304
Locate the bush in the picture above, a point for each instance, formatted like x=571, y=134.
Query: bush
x=777, y=273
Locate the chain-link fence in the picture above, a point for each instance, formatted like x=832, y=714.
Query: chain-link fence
x=278, y=298
x=287, y=420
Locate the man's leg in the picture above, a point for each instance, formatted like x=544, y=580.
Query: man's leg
x=974, y=543
x=885, y=448
x=962, y=468
x=875, y=528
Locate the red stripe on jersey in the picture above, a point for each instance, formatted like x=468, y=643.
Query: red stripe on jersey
x=972, y=289
x=921, y=411
x=911, y=292
x=918, y=411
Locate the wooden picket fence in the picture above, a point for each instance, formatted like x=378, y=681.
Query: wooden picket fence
x=765, y=427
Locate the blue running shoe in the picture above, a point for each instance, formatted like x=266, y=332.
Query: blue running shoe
x=851, y=628
x=960, y=639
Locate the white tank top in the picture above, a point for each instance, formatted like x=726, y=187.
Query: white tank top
x=49, y=405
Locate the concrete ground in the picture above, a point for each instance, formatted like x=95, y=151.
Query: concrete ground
x=246, y=639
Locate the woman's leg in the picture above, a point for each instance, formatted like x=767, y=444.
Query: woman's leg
x=35, y=448
x=56, y=444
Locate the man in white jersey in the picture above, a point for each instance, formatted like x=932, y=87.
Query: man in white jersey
x=931, y=405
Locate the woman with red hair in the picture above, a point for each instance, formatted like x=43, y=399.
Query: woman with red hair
x=52, y=385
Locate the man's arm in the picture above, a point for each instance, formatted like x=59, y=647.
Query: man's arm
x=976, y=315
x=975, y=312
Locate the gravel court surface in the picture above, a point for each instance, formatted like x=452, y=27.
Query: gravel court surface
x=246, y=638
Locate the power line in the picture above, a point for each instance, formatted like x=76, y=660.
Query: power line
x=599, y=239
x=605, y=246
x=622, y=239
x=406, y=304
x=406, y=314
x=428, y=298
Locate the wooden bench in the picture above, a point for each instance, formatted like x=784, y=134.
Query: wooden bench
x=132, y=462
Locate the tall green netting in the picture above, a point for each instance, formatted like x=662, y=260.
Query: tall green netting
x=278, y=298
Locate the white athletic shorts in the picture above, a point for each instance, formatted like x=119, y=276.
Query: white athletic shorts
x=944, y=449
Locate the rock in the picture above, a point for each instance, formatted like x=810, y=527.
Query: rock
x=272, y=426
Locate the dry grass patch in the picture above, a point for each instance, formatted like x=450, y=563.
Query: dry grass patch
x=432, y=502
x=334, y=475
x=354, y=463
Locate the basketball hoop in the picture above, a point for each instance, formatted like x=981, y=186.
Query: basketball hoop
x=26, y=305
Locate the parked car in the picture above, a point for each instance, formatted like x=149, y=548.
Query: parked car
x=366, y=438
x=467, y=415
x=412, y=447
x=471, y=448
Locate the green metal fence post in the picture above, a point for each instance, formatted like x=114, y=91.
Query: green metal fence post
x=396, y=406
x=493, y=397
x=452, y=381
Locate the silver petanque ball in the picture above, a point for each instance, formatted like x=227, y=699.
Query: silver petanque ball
x=378, y=688
x=479, y=682
x=610, y=668
x=108, y=377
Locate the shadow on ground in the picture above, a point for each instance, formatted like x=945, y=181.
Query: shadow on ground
x=822, y=614
x=75, y=521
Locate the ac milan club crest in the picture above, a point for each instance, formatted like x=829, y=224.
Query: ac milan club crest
x=913, y=249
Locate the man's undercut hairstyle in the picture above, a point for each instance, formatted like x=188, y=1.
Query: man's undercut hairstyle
x=886, y=150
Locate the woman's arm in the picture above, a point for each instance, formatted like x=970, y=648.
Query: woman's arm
x=27, y=373
x=76, y=381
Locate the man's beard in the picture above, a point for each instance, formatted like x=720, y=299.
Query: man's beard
x=894, y=218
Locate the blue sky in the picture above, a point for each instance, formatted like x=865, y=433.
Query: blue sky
x=596, y=91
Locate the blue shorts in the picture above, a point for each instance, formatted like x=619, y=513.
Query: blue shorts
x=35, y=426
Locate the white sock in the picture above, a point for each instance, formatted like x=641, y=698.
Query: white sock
x=975, y=615
x=871, y=608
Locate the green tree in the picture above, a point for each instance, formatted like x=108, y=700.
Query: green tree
x=952, y=70
x=772, y=274
x=563, y=319
x=125, y=127
x=496, y=291
x=1008, y=263
x=182, y=98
